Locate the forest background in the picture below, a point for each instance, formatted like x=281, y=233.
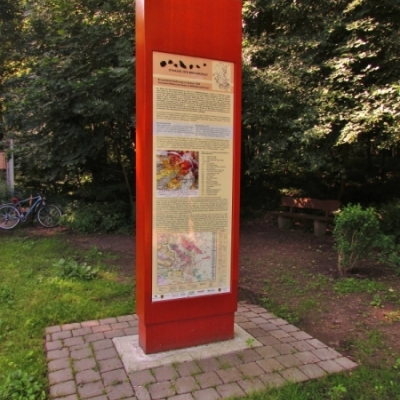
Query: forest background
x=321, y=103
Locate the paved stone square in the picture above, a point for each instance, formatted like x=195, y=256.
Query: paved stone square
x=83, y=362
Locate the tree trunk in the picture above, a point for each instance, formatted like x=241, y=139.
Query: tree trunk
x=128, y=186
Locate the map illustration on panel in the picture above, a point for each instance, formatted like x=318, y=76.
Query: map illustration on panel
x=177, y=172
x=186, y=258
x=222, y=76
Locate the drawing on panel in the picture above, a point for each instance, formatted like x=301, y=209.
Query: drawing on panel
x=185, y=258
x=177, y=172
x=221, y=75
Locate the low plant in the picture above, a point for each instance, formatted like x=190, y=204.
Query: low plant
x=389, y=251
x=280, y=310
x=355, y=234
x=352, y=285
x=93, y=254
x=72, y=269
x=393, y=316
x=376, y=301
x=250, y=342
x=370, y=344
x=20, y=385
x=337, y=392
x=97, y=217
x=389, y=219
x=317, y=282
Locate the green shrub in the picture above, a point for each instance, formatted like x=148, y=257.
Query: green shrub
x=355, y=234
x=389, y=219
x=21, y=386
x=5, y=193
x=389, y=251
x=97, y=217
x=351, y=285
x=72, y=269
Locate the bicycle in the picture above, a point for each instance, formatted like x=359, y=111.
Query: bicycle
x=48, y=215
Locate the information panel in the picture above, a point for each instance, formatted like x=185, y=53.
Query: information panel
x=192, y=176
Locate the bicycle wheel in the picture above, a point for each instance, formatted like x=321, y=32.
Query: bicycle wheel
x=49, y=216
x=9, y=216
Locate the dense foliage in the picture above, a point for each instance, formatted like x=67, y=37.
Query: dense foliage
x=360, y=233
x=70, y=105
x=355, y=233
x=4, y=192
x=327, y=94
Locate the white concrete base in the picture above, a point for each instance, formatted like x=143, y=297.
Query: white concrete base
x=134, y=359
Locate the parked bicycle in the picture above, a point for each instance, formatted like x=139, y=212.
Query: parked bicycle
x=48, y=215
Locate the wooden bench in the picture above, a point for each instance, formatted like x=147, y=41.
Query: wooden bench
x=326, y=207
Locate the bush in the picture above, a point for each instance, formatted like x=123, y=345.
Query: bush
x=97, y=217
x=359, y=233
x=355, y=234
x=389, y=251
x=5, y=193
x=389, y=220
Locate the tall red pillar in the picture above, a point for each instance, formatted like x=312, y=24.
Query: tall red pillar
x=188, y=119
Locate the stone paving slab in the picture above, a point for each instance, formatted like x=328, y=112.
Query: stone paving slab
x=134, y=359
x=83, y=362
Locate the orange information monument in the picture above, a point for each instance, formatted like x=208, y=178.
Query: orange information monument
x=188, y=110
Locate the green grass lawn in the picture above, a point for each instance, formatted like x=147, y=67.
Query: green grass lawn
x=37, y=291
x=45, y=282
x=365, y=383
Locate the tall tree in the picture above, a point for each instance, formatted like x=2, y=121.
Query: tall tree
x=10, y=25
x=72, y=106
x=357, y=68
x=335, y=73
